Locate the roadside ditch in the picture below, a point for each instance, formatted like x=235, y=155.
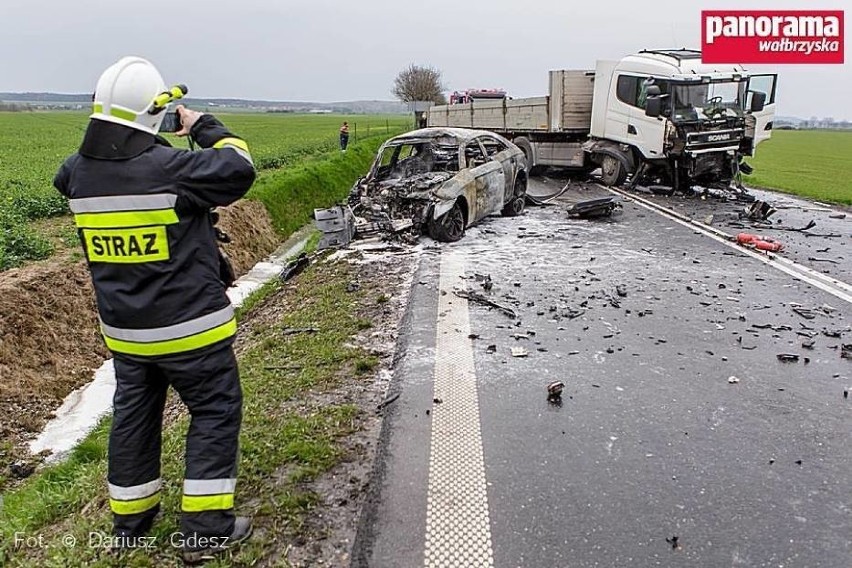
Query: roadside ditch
x=50, y=343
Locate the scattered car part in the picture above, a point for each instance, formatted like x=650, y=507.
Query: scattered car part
x=600, y=207
x=759, y=211
x=537, y=200
x=480, y=299
x=294, y=267
x=337, y=225
x=759, y=243
x=554, y=390
x=386, y=402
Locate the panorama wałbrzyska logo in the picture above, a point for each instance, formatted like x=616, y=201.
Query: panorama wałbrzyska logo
x=767, y=36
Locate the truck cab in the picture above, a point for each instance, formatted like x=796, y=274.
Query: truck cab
x=664, y=114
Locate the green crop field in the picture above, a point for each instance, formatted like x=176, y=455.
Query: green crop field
x=34, y=144
x=810, y=163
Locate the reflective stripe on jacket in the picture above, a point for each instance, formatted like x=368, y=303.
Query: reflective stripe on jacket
x=142, y=213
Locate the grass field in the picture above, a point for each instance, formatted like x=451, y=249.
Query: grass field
x=34, y=144
x=810, y=163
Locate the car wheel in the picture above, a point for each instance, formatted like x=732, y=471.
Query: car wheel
x=449, y=227
x=515, y=206
x=612, y=171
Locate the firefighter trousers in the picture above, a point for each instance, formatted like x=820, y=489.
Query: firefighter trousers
x=209, y=385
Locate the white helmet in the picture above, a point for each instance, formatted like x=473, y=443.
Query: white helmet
x=126, y=94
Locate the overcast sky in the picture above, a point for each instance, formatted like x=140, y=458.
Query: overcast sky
x=324, y=50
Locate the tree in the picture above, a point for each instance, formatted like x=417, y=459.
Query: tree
x=419, y=83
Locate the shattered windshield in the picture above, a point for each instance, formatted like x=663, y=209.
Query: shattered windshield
x=412, y=157
x=708, y=101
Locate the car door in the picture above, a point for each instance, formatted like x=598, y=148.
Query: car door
x=498, y=151
x=759, y=124
x=488, y=181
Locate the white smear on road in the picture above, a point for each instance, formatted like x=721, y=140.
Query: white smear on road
x=81, y=410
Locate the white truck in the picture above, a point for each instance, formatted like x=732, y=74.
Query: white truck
x=658, y=115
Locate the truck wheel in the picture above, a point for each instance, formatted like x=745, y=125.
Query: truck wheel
x=526, y=148
x=449, y=227
x=612, y=171
x=515, y=206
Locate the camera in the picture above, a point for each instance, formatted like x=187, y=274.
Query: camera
x=171, y=122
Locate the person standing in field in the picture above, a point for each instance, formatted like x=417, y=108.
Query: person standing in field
x=344, y=136
x=142, y=212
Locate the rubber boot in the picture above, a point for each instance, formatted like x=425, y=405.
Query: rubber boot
x=213, y=546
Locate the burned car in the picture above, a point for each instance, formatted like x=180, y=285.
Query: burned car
x=437, y=181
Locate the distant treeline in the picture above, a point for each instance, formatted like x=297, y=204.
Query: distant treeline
x=14, y=107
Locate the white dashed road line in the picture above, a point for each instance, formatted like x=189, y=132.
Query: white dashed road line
x=458, y=526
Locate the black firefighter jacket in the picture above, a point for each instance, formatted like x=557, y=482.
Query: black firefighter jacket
x=142, y=213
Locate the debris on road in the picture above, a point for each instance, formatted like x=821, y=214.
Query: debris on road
x=815, y=259
x=480, y=299
x=386, y=402
x=484, y=281
x=806, y=313
x=673, y=541
x=554, y=390
x=759, y=211
x=600, y=207
x=760, y=243
x=788, y=357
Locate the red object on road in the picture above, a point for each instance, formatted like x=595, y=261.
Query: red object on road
x=758, y=242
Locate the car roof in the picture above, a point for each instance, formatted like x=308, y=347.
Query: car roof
x=460, y=134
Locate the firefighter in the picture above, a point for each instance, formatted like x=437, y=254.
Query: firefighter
x=142, y=212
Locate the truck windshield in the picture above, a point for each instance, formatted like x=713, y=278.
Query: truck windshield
x=708, y=101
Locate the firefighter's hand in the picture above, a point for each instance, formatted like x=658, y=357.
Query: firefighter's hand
x=188, y=118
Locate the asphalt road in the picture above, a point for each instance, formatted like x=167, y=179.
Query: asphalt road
x=681, y=438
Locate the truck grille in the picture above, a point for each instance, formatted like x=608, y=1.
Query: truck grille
x=714, y=138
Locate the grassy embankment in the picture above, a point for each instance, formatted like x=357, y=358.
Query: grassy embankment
x=814, y=164
x=282, y=446
x=285, y=442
